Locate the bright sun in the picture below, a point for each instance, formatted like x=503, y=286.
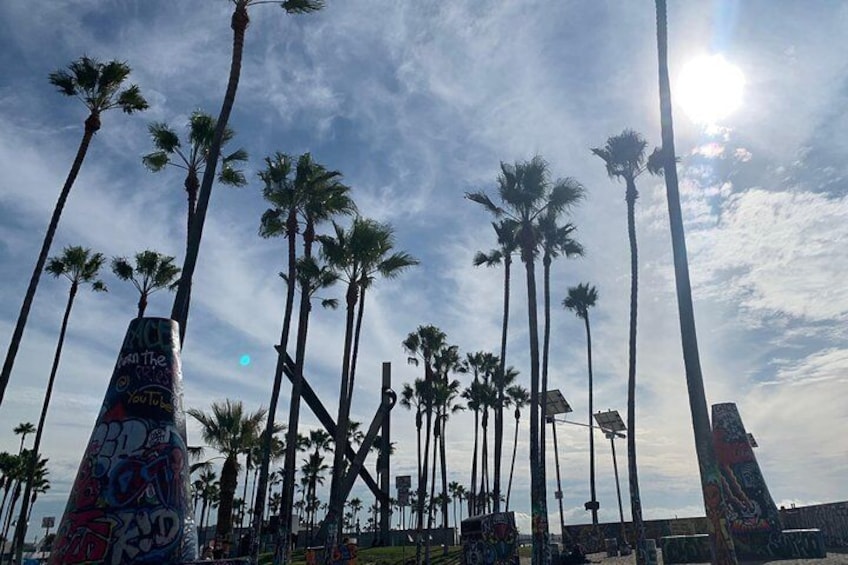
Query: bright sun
x=709, y=89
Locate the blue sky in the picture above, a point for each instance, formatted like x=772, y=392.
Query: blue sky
x=417, y=103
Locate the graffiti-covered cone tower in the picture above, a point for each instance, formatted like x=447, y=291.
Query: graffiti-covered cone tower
x=130, y=501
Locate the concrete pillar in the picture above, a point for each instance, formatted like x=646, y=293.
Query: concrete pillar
x=130, y=502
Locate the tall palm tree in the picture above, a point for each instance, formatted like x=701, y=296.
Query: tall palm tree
x=152, y=271
x=238, y=23
x=722, y=544
x=358, y=254
x=99, y=86
x=580, y=298
x=23, y=429
x=624, y=156
x=527, y=193
x=505, y=231
x=556, y=241
x=313, y=196
x=519, y=397
x=192, y=156
x=40, y=484
x=228, y=429
x=81, y=267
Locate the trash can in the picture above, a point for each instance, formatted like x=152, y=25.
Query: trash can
x=611, y=545
x=651, y=550
x=315, y=555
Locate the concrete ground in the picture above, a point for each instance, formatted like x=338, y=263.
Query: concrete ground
x=831, y=559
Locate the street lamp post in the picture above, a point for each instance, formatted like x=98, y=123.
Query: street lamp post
x=556, y=404
x=613, y=426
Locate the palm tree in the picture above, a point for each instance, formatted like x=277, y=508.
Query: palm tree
x=556, y=240
x=192, y=156
x=457, y=492
x=313, y=470
x=153, y=271
x=519, y=397
x=478, y=364
x=723, y=551
x=98, y=86
x=228, y=429
x=505, y=231
x=80, y=266
x=580, y=298
x=417, y=396
x=238, y=23
x=23, y=429
x=625, y=160
x=424, y=345
x=358, y=255
x=445, y=393
x=313, y=196
x=206, y=484
x=527, y=193
x=40, y=484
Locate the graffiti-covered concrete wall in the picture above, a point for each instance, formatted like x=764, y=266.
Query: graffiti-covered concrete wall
x=831, y=519
x=489, y=539
x=130, y=501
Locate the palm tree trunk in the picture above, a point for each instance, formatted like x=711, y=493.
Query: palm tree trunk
x=291, y=438
x=723, y=551
x=422, y=478
x=444, y=466
x=512, y=465
x=635, y=499
x=247, y=465
x=591, y=424
x=432, y=505
x=179, y=311
x=192, y=185
x=473, y=509
x=20, y=530
x=229, y=481
x=538, y=490
x=142, y=305
x=499, y=423
x=336, y=512
x=286, y=527
x=546, y=345
x=92, y=124
x=355, y=355
x=484, y=464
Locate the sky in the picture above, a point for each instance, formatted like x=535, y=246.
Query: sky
x=417, y=103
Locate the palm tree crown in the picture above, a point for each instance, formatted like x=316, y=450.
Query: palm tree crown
x=152, y=271
x=580, y=298
x=78, y=265
x=98, y=86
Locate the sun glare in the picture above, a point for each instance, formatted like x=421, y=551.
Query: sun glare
x=709, y=89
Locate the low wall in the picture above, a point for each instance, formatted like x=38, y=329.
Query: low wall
x=831, y=519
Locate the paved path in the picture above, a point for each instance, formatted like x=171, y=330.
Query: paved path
x=831, y=559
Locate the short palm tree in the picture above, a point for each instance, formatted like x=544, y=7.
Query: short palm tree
x=238, y=22
x=625, y=160
x=192, y=156
x=359, y=254
x=23, y=429
x=228, y=429
x=100, y=88
x=81, y=267
x=519, y=397
x=480, y=364
x=153, y=271
x=723, y=551
x=580, y=298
